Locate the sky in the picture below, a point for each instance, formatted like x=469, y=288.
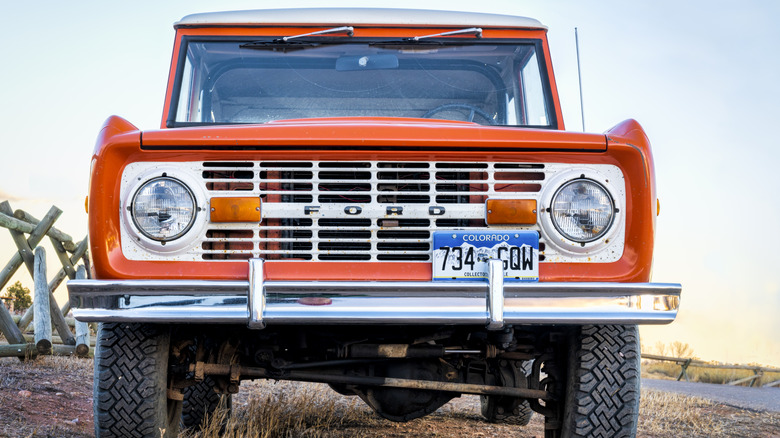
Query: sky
x=700, y=76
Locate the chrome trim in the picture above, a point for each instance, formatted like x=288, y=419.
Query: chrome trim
x=495, y=297
x=366, y=302
x=614, y=210
x=110, y=288
x=194, y=208
x=256, y=295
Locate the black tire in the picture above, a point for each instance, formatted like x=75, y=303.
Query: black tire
x=505, y=410
x=508, y=410
x=130, y=388
x=602, y=389
x=200, y=401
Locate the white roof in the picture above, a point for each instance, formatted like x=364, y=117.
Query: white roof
x=357, y=16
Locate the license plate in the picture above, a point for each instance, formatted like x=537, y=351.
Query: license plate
x=463, y=255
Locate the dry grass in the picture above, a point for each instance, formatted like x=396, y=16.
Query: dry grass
x=670, y=414
x=288, y=409
x=664, y=414
x=56, y=364
x=61, y=388
x=69, y=364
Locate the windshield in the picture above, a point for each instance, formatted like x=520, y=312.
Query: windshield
x=490, y=83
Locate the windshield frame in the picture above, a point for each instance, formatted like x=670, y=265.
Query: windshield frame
x=185, y=40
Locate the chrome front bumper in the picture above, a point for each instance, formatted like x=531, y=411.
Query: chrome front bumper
x=258, y=302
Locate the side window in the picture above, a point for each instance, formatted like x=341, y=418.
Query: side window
x=534, y=107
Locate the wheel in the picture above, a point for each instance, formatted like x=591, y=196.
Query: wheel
x=200, y=400
x=602, y=388
x=462, y=108
x=509, y=410
x=505, y=410
x=130, y=388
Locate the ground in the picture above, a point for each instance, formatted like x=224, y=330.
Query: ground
x=52, y=397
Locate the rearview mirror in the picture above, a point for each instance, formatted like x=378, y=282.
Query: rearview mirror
x=366, y=62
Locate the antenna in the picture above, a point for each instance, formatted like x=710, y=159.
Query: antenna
x=579, y=77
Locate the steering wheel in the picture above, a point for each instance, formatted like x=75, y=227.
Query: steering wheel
x=463, y=108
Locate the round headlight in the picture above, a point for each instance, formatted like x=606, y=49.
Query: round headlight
x=163, y=209
x=582, y=210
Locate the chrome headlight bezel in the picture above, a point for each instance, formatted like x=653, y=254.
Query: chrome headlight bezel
x=134, y=239
x=607, y=246
x=610, y=205
x=189, y=196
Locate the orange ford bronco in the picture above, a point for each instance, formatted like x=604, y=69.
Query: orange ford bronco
x=385, y=201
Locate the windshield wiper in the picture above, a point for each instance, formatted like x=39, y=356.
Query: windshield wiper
x=279, y=45
x=476, y=31
x=349, y=30
x=425, y=39
x=286, y=44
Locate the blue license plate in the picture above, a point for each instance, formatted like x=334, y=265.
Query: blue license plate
x=463, y=255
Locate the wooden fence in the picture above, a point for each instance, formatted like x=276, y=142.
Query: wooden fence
x=45, y=314
x=758, y=372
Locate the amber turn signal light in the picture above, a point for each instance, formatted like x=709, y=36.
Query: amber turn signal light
x=511, y=212
x=235, y=210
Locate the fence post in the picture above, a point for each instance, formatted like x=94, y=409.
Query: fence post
x=759, y=376
x=41, y=303
x=755, y=377
x=684, y=371
x=82, y=328
x=9, y=328
x=25, y=246
x=80, y=252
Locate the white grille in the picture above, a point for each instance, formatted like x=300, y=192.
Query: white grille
x=360, y=211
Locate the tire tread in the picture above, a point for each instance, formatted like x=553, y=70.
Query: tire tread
x=200, y=400
x=126, y=389
x=605, y=383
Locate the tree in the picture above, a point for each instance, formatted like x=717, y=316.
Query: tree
x=680, y=349
x=20, y=296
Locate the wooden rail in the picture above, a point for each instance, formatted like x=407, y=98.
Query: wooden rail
x=45, y=314
x=758, y=372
